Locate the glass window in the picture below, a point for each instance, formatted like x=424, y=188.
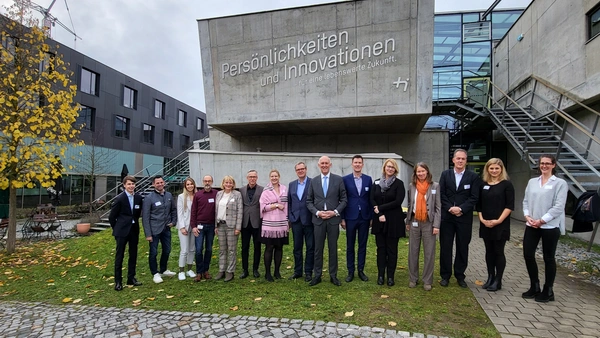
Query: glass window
x=594, y=21
x=89, y=82
x=159, y=109
x=476, y=31
x=200, y=124
x=185, y=142
x=168, y=138
x=148, y=133
x=502, y=21
x=121, y=127
x=447, y=37
x=129, y=97
x=477, y=59
x=182, y=118
x=86, y=118
x=47, y=63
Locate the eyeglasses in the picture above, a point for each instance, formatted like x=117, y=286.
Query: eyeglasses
x=546, y=163
x=390, y=167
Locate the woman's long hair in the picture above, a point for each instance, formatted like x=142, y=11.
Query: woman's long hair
x=428, y=178
x=486, y=175
x=186, y=193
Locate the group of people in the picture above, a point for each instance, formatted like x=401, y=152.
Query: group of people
x=315, y=208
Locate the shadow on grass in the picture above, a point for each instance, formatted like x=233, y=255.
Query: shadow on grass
x=80, y=270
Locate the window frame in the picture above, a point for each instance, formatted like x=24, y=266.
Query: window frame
x=167, y=142
x=200, y=124
x=92, y=118
x=127, y=132
x=162, y=105
x=185, y=141
x=132, y=104
x=181, y=119
x=93, y=81
x=148, y=137
x=590, y=29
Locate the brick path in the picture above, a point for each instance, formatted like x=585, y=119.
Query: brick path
x=575, y=313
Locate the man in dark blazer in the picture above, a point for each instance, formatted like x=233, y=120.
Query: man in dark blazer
x=251, y=223
x=326, y=199
x=300, y=221
x=459, y=190
x=357, y=216
x=124, y=220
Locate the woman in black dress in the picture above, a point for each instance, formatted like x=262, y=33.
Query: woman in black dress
x=387, y=195
x=496, y=201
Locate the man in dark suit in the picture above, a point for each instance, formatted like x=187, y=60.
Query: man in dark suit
x=459, y=190
x=300, y=221
x=251, y=223
x=124, y=220
x=357, y=216
x=326, y=199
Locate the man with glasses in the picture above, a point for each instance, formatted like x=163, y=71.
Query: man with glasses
x=251, y=223
x=459, y=189
x=299, y=218
x=202, y=223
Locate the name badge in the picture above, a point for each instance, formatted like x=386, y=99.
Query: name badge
x=415, y=224
x=211, y=200
x=467, y=186
x=547, y=187
x=366, y=188
x=158, y=203
x=137, y=206
x=200, y=226
x=433, y=191
x=486, y=187
x=132, y=222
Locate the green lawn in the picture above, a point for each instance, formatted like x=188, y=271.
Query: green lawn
x=80, y=270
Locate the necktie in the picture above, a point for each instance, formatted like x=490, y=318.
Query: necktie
x=131, y=202
x=325, y=185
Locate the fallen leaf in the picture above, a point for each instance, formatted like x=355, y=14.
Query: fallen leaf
x=385, y=296
x=349, y=314
x=478, y=282
x=196, y=301
x=161, y=290
x=392, y=323
x=235, y=308
x=169, y=297
x=50, y=281
x=288, y=267
x=313, y=304
x=77, y=300
x=67, y=300
x=50, y=284
x=83, y=277
x=257, y=299
x=151, y=298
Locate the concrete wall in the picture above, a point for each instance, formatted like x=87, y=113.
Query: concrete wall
x=342, y=88
x=430, y=147
x=218, y=164
x=555, y=46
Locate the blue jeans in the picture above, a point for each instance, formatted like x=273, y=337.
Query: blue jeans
x=165, y=240
x=204, y=240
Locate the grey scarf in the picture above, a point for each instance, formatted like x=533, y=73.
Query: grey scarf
x=385, y=184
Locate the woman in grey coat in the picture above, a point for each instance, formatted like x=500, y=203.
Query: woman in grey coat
x=229, y=211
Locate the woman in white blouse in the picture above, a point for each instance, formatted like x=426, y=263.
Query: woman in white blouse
x=186, y=238
x=544, y=210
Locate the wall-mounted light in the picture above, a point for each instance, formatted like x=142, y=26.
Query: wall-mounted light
x=520, y=37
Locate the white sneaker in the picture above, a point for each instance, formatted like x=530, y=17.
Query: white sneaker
x=181, y=276
x=191, y=274
x=168, y=273
x=157, y=279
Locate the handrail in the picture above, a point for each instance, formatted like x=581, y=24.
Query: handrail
x=510, y=98
x=564, y=93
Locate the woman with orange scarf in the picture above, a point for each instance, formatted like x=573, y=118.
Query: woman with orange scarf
x=422, y=222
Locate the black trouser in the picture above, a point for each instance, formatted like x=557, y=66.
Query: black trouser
x=549, y=242
x=247, y=233
x=303, y=233
x=449, y=230
x=132, y=239
x=387, y=255
x=330, y=231
x=494, y=257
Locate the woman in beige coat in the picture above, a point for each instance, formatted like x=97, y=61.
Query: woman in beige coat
x=423, y=222
x=228, y=210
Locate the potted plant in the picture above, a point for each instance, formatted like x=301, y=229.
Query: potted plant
x=85, y=223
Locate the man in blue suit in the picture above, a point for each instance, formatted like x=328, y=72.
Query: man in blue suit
x=356, y=217
x=300, y=220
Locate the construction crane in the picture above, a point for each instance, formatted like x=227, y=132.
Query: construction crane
x=50, y=20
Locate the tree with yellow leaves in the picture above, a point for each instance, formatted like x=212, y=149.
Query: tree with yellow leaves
x=37, y=107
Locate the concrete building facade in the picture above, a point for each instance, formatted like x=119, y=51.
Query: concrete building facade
x=347, y=77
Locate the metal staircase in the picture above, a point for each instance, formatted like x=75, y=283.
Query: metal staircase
x=535, y=123
x=174, y=172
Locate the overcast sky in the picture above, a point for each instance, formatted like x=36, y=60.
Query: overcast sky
x=156, y=41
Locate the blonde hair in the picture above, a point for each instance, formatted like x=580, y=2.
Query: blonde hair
x=228, y=178
x=186, y=193
x=486, y=175
x=394, y=164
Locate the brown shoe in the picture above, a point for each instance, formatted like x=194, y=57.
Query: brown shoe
x=206, y=275
x=220, y=275
x=198, y=278
x=228, y=276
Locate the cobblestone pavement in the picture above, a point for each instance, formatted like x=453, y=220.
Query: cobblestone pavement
x=41, y=320
x=575, y=313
